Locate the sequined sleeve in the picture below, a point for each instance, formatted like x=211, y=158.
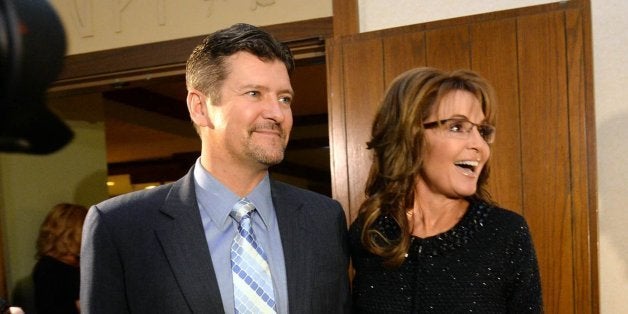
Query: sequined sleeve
x=526, y=294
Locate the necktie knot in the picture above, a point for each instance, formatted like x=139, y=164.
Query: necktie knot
x=243, y=208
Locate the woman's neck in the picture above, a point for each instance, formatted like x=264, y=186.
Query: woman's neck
x=434, y=215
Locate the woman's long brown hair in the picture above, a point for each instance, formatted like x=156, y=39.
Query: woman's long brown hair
x=398, y=143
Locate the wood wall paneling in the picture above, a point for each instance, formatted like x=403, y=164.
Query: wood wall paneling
x=545, y=143
x=584, y=221
x=346, y=17
x=448, y=48
x=337, y=122
x=403, y=52
x=494, y=56
x=363, y=87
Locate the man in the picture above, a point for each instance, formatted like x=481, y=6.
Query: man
x=174, y=249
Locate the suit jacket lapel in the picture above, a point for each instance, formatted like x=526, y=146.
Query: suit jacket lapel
x=292, y=228
x=183, y=240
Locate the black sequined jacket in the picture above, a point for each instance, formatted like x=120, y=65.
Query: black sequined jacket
x=485, y=264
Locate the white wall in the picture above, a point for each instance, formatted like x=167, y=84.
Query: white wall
x=610, y=61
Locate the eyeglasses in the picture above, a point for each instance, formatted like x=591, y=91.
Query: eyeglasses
x=461, y=128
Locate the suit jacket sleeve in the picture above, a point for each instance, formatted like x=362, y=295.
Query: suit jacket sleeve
x=331, y=290
x=526, y=293
x=345, y=301
x=102, y=287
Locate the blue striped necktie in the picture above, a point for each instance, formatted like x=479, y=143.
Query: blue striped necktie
x=252, y=283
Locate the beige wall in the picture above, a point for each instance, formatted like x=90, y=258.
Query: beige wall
x=93, y=25
x=380, y=14
x=610, y=62
x=610, y=59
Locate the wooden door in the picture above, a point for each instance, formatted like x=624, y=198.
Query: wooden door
x=542, y=164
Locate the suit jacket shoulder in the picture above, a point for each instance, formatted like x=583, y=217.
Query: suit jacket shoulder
x=145, y=252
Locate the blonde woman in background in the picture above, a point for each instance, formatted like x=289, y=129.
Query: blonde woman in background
x=56, y=275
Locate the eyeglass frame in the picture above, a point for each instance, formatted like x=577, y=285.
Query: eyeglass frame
x=434, y=124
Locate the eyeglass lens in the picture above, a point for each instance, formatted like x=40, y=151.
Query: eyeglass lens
x=461, y=128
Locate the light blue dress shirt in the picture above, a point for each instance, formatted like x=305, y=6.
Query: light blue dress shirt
x=215, y=202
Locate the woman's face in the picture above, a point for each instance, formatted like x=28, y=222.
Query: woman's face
x=453, y=160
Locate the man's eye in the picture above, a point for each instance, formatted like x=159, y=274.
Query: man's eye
x=286, y=100
x=253, y=93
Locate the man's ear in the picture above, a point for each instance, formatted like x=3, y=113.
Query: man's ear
x=197, y=106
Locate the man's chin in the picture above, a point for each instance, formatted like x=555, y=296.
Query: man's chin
x=271, y=161
x=268, y=159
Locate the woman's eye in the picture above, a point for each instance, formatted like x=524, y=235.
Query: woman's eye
x=486, y=131
x=455, y=127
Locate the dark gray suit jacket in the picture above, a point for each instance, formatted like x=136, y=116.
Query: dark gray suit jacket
x=145, y=252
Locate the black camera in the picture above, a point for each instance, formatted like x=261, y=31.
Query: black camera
x=32, y=48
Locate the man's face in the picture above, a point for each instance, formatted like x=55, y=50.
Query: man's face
x=252, y=120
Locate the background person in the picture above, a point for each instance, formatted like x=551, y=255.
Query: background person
x=428, y=238
x=56, y=275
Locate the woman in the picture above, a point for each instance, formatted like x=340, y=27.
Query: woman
x=56, y=275
x=428, y=238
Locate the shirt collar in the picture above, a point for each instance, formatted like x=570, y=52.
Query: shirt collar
x=216, y=200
